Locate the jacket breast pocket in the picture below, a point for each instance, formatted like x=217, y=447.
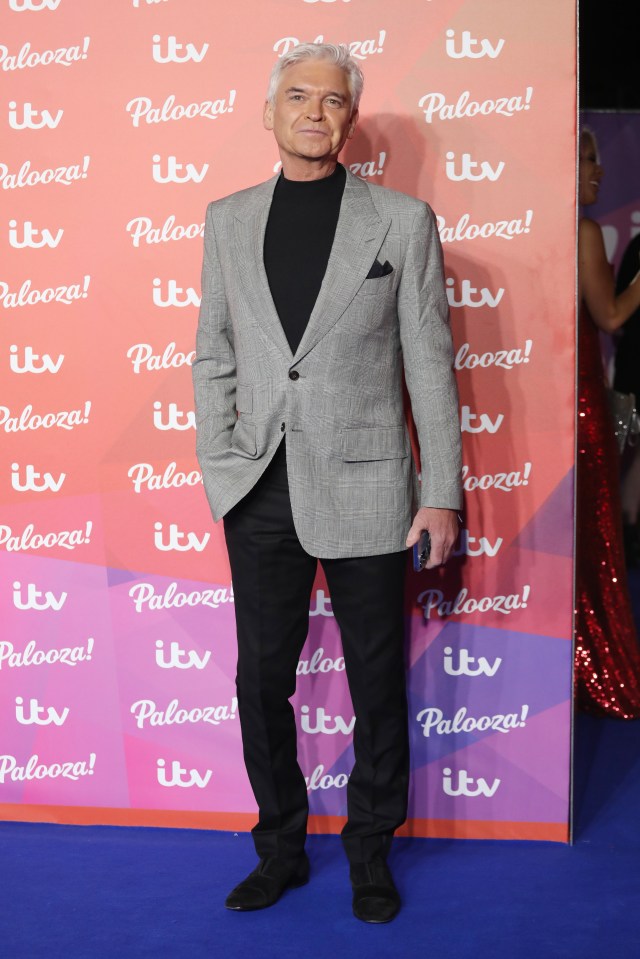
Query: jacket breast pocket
x=368, y=444
x=378, y=286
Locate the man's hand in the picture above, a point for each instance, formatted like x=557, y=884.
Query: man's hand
x=443, y=530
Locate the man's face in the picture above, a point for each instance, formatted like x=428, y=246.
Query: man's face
x=311, y=118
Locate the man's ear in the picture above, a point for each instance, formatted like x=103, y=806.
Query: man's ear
x=352, y=124
x=267, y=116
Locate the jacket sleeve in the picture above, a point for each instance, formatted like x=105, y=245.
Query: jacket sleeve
x=214, y=367
x=427, y=349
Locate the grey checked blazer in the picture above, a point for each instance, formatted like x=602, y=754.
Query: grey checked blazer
x=352, y=482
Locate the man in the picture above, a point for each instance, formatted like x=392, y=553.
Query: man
x=317, y=290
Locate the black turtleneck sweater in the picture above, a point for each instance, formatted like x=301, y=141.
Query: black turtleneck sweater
x=298, y=239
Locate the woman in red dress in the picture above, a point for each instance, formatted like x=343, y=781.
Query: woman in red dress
x=607, y=655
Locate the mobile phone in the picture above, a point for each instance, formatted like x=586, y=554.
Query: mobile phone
x=421, y=551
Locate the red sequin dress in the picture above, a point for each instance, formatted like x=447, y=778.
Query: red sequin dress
x=607, y=655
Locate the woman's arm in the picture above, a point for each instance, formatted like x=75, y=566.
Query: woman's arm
x=597, y=289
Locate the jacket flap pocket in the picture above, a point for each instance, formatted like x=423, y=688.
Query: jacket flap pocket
x=373, y=443
x=244, y=399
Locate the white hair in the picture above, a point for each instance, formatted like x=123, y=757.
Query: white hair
x=337, y=54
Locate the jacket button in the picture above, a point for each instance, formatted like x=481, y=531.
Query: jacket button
x=294, y=375
x=282, y=428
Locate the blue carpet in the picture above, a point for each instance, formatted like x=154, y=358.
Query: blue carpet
x=78, y=892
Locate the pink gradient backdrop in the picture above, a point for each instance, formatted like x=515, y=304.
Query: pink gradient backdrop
x=140, y=724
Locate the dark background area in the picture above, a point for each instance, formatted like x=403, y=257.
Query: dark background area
x=609, y=55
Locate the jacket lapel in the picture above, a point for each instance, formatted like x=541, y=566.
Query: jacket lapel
x=359, y=235
x=251, y=224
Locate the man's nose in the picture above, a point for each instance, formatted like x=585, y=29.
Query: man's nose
x=314, y=109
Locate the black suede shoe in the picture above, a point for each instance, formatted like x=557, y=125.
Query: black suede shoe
x=375, y=897
x=267, y=882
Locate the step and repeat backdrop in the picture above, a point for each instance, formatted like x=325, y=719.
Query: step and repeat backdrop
x=117, y=653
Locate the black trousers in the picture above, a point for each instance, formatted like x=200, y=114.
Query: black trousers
x=272, y=581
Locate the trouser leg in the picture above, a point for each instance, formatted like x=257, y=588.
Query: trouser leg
x=272, y=581
x=367, y=596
